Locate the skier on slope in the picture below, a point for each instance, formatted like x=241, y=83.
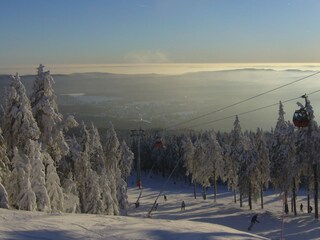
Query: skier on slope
x=253, y=221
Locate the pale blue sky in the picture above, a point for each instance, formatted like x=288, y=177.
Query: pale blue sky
x=153, y=31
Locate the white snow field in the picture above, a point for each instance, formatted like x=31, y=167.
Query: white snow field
x=202, y=219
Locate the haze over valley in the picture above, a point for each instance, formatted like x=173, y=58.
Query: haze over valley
x=162, y=101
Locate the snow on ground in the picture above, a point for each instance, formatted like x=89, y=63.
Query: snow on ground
x=202, y=219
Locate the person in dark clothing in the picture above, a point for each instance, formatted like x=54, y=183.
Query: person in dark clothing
x=254, y=220
x=183, y=206
x=137, y=203
x=286, y=208
x=165, y=197
x=156, y=207
x=310, y=209
x=301, y=207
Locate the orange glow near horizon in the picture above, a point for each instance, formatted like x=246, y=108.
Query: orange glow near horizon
x=158, y=68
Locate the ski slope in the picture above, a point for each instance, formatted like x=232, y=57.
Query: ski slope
x=202, y=219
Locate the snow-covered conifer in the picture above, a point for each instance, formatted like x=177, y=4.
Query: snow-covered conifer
x=249, y=184
x=15, y=178
x=213, y=153
x=19, y=124
x=189, y=151
x=263, y=164
x=126, y=160
x=70, y=191
x=95, y=204
x=282, y=153
x=54, y=189
x=111, y=207
x=232, y=166
x=37, y=176
x=4, y=161
x=26, y=198
x=46, y=113
x=4, y=201
x=82, y=166
x=96, y=153
x=112, y=154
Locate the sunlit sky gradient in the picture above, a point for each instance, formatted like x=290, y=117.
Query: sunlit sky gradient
x=158, y=31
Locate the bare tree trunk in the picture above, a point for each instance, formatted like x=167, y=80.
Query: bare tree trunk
x=261, y=195
x=204, y=193
x=294, y=197
x=195, y=190
x=234, y=196
x=249, y=197
x=240, y=199
x=286, y=208
x=214, y=186
x=308, y=198
x=315, y=176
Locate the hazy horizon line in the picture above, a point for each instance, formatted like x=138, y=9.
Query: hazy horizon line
x=155, y=68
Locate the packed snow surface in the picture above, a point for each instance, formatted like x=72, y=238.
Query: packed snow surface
x=202, y=219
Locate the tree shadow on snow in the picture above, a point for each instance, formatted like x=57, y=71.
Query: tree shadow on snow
x=38, y=234
x=164, y=235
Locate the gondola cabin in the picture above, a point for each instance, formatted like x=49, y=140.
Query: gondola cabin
x=158, y=143
x=301, y=118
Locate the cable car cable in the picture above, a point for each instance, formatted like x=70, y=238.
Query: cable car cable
x=250, y=111
x=242, y=101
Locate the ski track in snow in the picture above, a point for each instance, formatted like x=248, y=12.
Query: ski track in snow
x=202, y=219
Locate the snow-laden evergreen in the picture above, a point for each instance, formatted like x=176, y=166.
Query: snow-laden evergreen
x=15, y=178
x=249, y=174
x=215, y=164
x=189, y=151
x=53, y=186
x=96, y=153
x=4, y=200
x=71, y=201
x=232, y=166
x=37, y=176
x=82, y=167
x=26, y=198
x=94, y=203
x=263, y=163
x=4, y=162
x=19, y=124
x=46, y=113
x=126, y=160
x=113, y=173
x=282, y=153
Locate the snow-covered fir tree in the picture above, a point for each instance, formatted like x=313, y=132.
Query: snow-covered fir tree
x=53, y=186
x=249, y=174
x=26, y=198
x=82, y=167
x=112, y=154
x=37, y=176
x=95, y=204
x=263, y=164
x=215, y=163
x=202, y=169
x=311, y=161
x=126, y=160
x=232, y=166
x=96, y=153
x=71, y=201
x=190, y=161
x=19, y=124
x=46, y=113
x=4, y=162
x=15, y=178
x=282, y=153
x=4, y=199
